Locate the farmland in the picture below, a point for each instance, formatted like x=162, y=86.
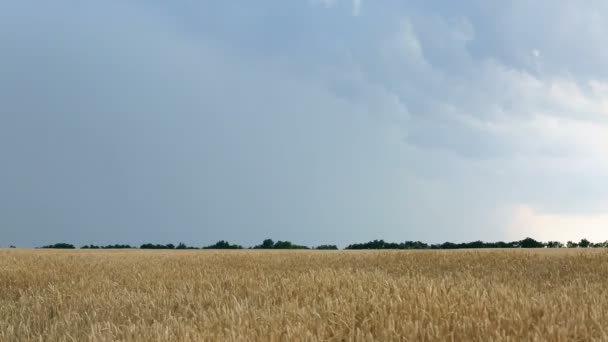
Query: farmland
x=137, y=295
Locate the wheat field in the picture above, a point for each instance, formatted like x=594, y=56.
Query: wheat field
x=248, y=295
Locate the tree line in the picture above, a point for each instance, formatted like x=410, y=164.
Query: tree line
x=222, y=244
x=375, y=244
x=525, y=243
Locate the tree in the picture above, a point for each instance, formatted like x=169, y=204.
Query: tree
x=223, y=245
x=584, y=243
x=90, y=247
x=266, y=244
x=413, y=245
x=269, y=244
x=475, y=244
x=153, y=246
x=61, y=245
x=376, y=244
x=282, y=245
x=448, y=245
x=555, y=244
x=571, y=244
x=327, y=247
x=116, y=246
x=530, y=243
x=287, y=245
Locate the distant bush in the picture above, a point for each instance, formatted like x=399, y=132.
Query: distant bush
x=381, y=244
x=90, y=247
x=555, y=244
x=288, y=245
x=530, y=243
x=269, y=244
x=61, y=245
x=157, y=246
x=571, y=244
x=181, y=245
x=223, y=245
x=266, y=244
x=327, y=247
x=375, y=244
x=118, y=246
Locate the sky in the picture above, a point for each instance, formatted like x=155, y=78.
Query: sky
x=314, y=121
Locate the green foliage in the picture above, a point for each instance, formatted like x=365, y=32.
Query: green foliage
x=381, y=244
x=167, y=246
x=555, y=244
x=375, y=244
x=266, y=244
x=530, y=243
x=288, y=245
x=327, y=247
x=117, y=246
x=269, y=244
x=223, y=245
x=61, y=245
x=156, y=246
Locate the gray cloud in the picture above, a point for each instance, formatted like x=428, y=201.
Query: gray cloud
x=198, y=122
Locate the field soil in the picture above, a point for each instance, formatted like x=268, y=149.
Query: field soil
x=248, y=295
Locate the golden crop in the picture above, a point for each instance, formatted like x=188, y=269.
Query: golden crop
x=136, y=295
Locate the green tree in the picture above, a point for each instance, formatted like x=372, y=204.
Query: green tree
x=584, y=243
x=530, y=243
x=61, y=245
x=223, y=245
x=327, y=247
x=267, y=244
x=555, y=244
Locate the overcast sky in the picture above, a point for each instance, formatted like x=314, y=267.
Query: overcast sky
x=315, y=121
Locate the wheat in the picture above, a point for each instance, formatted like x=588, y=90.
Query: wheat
x=135, y=295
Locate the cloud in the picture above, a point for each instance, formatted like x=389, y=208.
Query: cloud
x=556, y=227
x=417, y=120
